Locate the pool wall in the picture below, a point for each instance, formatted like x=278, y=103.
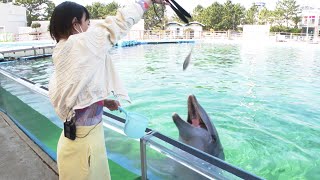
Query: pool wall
x=41, y=125
x=39, y=51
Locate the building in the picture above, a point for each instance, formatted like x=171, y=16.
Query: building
x=192, y=30
x=12, y=17
x=310, y=23
x=256, y=32
x=260, y=5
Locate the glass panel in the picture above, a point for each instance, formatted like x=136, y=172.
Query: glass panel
x=165, y=161
x=121, y=149
x=35, y=100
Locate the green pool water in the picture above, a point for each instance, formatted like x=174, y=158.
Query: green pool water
x=263, y=99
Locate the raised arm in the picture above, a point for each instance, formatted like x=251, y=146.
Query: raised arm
x=113, y=28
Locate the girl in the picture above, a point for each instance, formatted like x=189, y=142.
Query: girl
x=84, y=77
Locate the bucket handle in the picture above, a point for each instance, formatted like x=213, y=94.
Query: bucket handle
x=121, y=109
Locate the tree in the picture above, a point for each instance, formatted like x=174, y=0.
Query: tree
x=211, y=16
x=278, y=16
x=35, y=26
x=220, y=16
x=99, y=10
x=265, y=16
x=288, y=9
x=35, y=9
x=197, y=11
x=251, y=15
x=228, y=15
x=296, y=19
x=49, y=10
x=238, y=16
x=36, y=33
x=154, y=17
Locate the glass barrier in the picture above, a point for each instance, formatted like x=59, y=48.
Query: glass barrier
x=155, y=157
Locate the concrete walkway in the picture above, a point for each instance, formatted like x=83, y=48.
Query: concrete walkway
x=20, y=157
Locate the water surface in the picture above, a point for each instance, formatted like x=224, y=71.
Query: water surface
x=263, y=99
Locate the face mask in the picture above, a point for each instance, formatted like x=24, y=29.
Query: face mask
x=78, y=30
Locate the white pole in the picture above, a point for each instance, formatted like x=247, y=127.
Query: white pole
x=307, y=27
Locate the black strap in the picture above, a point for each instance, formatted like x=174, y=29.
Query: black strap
x=179, y=11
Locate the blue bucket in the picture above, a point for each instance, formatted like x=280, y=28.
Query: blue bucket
x=135, y=125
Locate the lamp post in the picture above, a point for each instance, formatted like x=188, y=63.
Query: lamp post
x=307, y=32
x=316, y=28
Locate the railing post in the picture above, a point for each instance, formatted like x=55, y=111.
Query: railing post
x=143, y=154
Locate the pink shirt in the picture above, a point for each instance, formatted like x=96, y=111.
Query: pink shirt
x=90, y=115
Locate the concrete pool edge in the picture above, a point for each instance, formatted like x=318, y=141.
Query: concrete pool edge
x=41, y=157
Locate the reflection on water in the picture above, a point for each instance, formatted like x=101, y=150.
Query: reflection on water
x=263, y=99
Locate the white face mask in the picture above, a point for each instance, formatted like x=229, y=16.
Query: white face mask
x=78, y=30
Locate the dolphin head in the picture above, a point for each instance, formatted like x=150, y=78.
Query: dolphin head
x=198, y=131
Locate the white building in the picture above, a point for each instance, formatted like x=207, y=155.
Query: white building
x=310, y=22
x=256, y=32
x=12, y=17
x=192, y=30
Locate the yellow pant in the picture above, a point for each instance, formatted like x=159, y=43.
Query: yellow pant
x=84, y=158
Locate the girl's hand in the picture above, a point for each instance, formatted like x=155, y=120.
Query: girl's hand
x=160, y=1
x=111, y=104
x=157, y=2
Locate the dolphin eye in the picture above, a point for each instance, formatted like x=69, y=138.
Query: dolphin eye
x=214, y=139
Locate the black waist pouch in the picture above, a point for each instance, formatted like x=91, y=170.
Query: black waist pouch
x=70, y=129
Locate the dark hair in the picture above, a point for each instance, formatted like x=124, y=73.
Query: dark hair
x=61, y=19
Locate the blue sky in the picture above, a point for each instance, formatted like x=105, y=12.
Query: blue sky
x=190, y=4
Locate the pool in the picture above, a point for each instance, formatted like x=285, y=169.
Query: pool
x=263, y=99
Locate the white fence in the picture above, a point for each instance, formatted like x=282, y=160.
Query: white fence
x=164, y=34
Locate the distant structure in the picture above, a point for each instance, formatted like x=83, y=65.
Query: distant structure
x=256, y=32
x=12, y=17
x=260, y=5
x=136, y=31
x=8, y=1
x=191, y=30
x=310, y=22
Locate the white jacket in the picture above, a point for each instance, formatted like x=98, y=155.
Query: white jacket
x=84, y=72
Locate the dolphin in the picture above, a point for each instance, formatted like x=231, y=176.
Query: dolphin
x=198, y=131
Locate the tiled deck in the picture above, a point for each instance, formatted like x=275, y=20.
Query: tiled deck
x=20, y=157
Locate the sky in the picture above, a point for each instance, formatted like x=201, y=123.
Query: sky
x=189, y=5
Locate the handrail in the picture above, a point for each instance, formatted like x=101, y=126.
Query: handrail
x=27, y=49
x=150, y=133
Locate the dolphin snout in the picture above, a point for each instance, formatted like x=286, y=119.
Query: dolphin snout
x=175, y=116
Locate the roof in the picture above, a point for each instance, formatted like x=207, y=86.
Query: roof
x=179, y=24
x=195, y=22
x=174, y=23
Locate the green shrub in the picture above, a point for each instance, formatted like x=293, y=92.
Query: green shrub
x=35, y=25
x=295, y=30
x=285, y=29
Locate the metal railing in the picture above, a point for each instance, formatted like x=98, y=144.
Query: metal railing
x=297, y=37
x=34, y=51
x=168, y=35
x=138, y=35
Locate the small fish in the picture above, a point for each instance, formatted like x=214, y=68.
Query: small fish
x=187, y=60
